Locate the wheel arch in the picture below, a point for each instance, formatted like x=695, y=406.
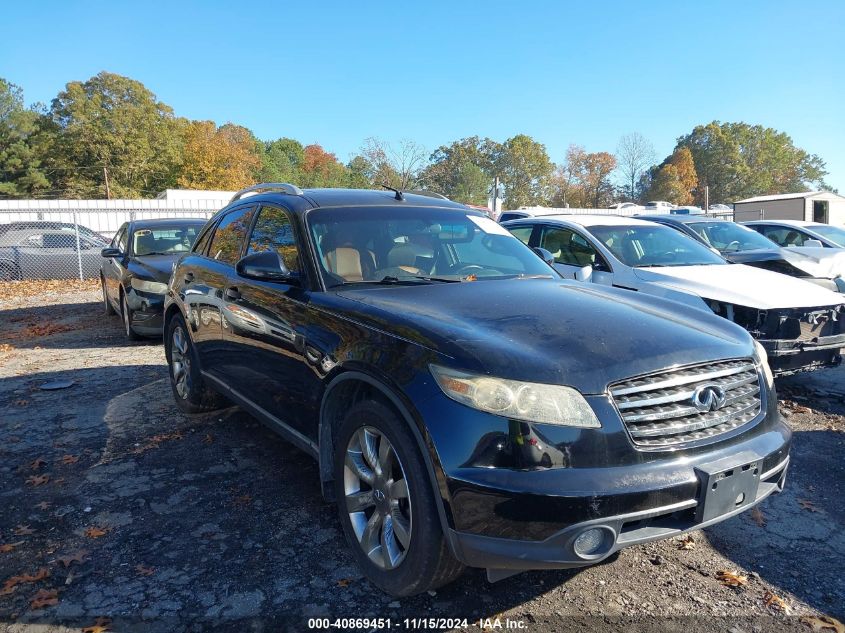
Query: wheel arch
x=352, y=386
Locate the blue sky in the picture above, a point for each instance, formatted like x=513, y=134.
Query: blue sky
x=563, y=72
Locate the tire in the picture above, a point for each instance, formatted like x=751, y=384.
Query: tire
x=126, y=313
x=397, y=523
x=189, y=390
x=108, y=308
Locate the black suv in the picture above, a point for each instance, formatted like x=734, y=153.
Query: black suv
x=467, y=406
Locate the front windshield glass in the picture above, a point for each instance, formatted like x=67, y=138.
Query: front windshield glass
x=833, y=233
x=416, y=245
x=164, y=240
x=653, y=245
x=728, y=237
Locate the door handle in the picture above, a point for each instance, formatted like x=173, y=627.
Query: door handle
x=189, y=277
x=233, y=293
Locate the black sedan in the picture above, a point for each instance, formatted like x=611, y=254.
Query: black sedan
x=136, y=268
x=741, y=245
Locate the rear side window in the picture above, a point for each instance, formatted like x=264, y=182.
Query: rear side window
x=522, y=233
x=273, y=232
x=512, y=216
x=230, y=235
x=202, y=242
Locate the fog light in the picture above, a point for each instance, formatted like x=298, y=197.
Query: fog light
x=592, y=542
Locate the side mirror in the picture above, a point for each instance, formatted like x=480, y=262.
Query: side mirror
x=545, y=255
x=265, y=266
x=813, y=243
x=584, y=273
x=111, y=252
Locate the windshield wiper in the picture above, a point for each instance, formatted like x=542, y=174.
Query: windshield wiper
x=154, y=253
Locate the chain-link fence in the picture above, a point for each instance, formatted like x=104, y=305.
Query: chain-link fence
x=45, y=242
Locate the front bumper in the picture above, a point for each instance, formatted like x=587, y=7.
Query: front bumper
x=622, y=530
x=147, y=310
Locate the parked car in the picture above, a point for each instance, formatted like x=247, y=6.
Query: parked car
x=22, y=225
x=135, y=269
x=659, y=205
x=466, y=405
x=797, y=233
x=740, y=245
x=48, y=250
x=801, y=325
x=629, y=206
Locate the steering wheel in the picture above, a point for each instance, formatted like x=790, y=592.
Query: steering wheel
x=733, y=245
x=469, y=269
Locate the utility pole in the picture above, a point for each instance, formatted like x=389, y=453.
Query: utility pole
x=106, y=176
x=706, y=197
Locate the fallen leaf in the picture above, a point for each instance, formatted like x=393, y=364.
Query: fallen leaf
x=5, y=548
x=143, y=570
x=758, y=517
x=687, y=542
x=37, y=463
x=823, y=623
x=11, y=583
x=5, y=348
x=70, y=459
x=807, y=505
x=42, y=506
x=37, y=480
x=731, y=579
x=44, y=598
x=776, y=602
x=23, y=530
x=77, y=557
x=95, y=532
x=344, y=582
x=101, y=625
x=208, y=439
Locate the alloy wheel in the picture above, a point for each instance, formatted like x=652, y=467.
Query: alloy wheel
x=377, y=498
x=180, y=362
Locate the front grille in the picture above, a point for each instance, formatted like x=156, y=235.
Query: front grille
x=659, y=409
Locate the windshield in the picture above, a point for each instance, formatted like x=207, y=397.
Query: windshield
x=165, y=240
x=645, y=245
x=728, y=237
x=416, y=245
x=833, y=233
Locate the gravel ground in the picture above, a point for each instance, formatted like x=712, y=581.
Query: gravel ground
x=115, y=505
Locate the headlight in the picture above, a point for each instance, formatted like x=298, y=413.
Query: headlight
x=763, y=360
x=155, y=287
x=532, y=402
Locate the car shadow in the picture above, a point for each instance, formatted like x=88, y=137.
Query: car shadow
x=64, y=326
x=796, y=543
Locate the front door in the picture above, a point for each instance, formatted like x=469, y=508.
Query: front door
x=575, y=257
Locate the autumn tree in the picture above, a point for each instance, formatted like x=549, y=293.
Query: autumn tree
x=225, y=158
x=738, y=160
x=321, y=168
x=675, y=179
x=583, y=180
x=113, y=122
x=634, y=155
x=25, y=136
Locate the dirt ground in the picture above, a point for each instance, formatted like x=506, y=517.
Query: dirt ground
x=117, y=511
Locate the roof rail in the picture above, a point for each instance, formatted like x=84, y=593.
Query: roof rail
x=427, y=193
x=282, y=187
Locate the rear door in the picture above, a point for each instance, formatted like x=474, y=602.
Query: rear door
x=268, y=358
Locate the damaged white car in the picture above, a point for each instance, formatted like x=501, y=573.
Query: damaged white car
x=800, y=325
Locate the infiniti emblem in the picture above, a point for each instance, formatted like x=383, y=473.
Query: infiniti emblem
x=379, y=495
x=709, y=398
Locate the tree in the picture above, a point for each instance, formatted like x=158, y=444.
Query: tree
x=738, y=160
x=113, y=122
x=358, y=174
x=634, y=155
x=396, y=166
x=224, y=158
x=450, y=168
x=675, y=179
x=24, y=138
x=526, y=171
x=584, y=179
x=321, y=168
x=281, y=161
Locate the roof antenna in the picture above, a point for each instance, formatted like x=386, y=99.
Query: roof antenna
x=398, y=195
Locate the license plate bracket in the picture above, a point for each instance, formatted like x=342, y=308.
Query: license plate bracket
x=725, y=488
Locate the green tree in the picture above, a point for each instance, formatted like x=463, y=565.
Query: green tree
x=738, y=160
x=359, y=174
x=526, y=171
x=449, y=171
x=25, y=136
x=114, y=122
x=281, y=161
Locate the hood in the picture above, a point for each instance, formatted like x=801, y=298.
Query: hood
x=818, y=262
x=155, y=267
x=755, y=255
x=741, y=285
x=548, y=331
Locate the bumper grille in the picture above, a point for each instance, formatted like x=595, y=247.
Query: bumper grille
x=670, y=408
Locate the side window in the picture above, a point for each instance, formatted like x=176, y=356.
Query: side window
x=202, y=242
x=122, y=239
x=230, y=235
x=568, y=247
x=121, y=232
x=273, y=232
x=522, y=233
x=507, y=215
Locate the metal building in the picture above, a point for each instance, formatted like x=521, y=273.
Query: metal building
x=810, y=206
